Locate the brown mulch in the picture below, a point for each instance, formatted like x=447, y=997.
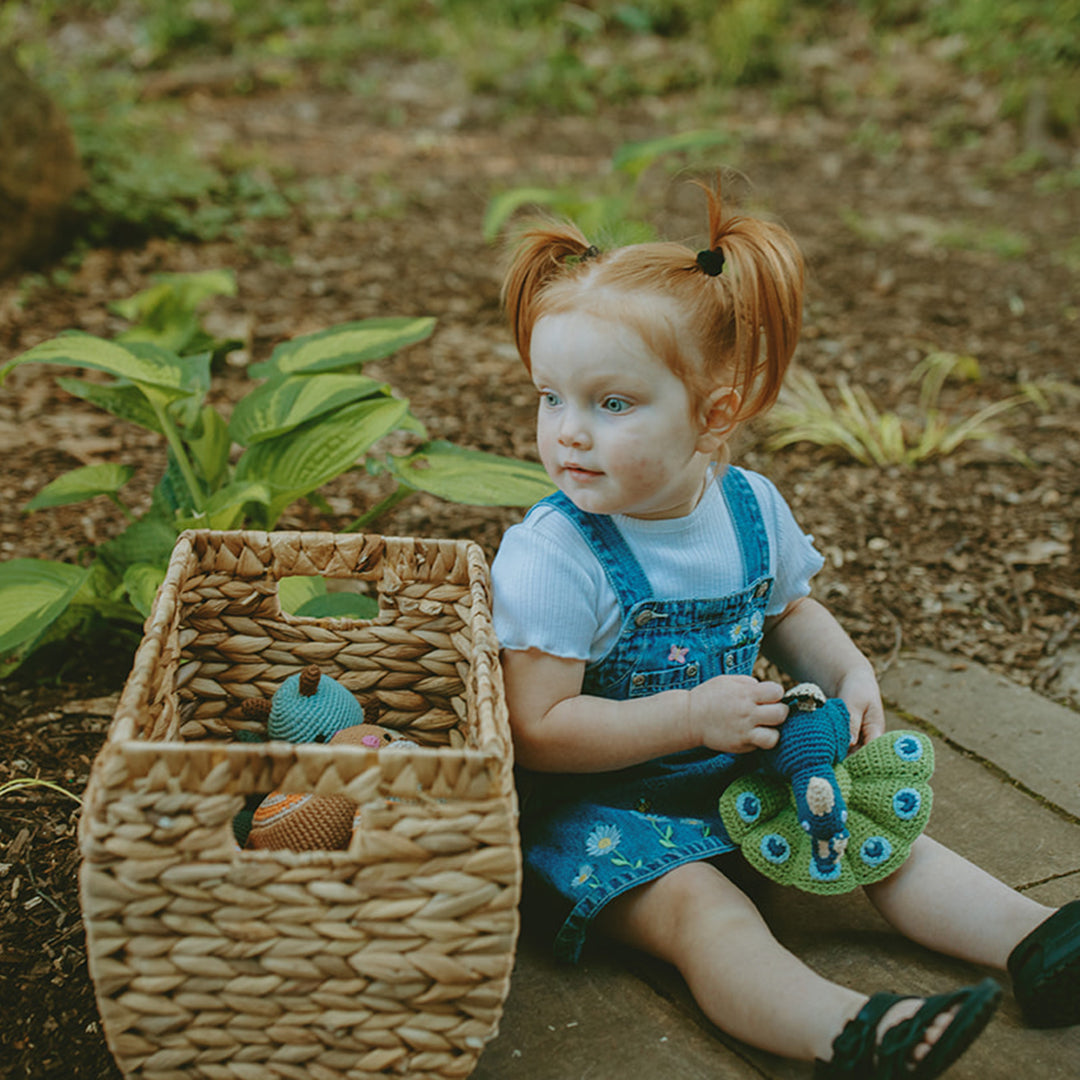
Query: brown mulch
x=977, y=554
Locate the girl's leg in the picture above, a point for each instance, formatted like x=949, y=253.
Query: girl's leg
x=948, y=904
x=742, y=978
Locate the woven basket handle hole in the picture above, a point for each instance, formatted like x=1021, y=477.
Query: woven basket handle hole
x=303, y=596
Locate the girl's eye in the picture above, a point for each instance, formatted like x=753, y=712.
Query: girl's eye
x=615, y=405
x=549, y=398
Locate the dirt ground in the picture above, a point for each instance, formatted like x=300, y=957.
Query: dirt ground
x=977, y=554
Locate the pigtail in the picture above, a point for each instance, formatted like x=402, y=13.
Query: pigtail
x=762, y=278
x=541, y=254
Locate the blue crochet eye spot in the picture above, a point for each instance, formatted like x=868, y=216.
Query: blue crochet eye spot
x=775, y=849
x=908, y=748
x=748, y=807
x=906, y=803
x=875, y=850
x=829, y=874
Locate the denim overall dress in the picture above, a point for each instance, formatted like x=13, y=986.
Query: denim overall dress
x=587, y=838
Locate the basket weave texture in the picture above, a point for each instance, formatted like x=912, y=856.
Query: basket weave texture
x=390, y=958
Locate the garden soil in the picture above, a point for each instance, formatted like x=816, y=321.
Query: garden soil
x=921, y=235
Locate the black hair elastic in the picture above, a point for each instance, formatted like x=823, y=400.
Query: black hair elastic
x=711, y=261
x=590, y=252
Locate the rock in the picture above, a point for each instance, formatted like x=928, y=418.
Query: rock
x=39, y=169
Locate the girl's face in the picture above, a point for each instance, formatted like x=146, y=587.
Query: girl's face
x=615, y=429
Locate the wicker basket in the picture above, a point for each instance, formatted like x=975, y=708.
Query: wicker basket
x=391, y=958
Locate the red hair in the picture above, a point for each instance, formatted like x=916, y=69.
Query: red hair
x=739, y=327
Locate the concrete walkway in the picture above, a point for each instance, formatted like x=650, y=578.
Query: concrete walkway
x=1006, y=795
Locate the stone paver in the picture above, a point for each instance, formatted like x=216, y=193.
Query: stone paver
x=1034, y=740
x=621, y=1016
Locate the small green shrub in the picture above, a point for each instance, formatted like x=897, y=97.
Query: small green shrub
x=313, y=417
x=608, y=217
x=856, y=426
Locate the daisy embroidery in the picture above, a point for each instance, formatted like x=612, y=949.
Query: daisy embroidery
x=678, y=654
x=738, y=632
x=585, y=871
x=603, y=840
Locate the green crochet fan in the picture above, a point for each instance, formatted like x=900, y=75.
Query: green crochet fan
x=825, y=824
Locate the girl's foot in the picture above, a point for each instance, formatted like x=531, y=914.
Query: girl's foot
x=902, y=1038
x=1045, y=969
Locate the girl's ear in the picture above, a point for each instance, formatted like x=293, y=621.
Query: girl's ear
x=720, y=416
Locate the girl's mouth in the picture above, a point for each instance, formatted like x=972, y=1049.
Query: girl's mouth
x=579, y=472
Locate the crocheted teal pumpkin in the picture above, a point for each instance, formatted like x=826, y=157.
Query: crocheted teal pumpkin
x=311, y=707
x=826, y=824
x=307, y=707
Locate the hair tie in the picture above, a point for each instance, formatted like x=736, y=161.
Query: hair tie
x=711, y=261
x=590, y=252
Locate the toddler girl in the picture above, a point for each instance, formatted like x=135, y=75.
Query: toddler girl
x=631, y=606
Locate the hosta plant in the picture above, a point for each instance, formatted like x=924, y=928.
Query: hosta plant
x=311, y=416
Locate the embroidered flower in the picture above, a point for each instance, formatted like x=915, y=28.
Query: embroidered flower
x=585, y=871
x=757, y=621
x=738, y=632
x=603, y=840
x=678, y=654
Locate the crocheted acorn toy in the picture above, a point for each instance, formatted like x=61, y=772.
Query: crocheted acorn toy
x=308, y=707
x=825, y=824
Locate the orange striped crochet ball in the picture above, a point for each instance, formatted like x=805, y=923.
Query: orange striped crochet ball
x=303, y=822
x=309, y=822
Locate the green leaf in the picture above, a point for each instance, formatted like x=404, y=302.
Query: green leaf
x=340, y=605
x=197, y=383
x=280, y=405
x=141, y=582
x=347, y=345
x=225, y=509
x=472, y=476
x=166, y=313
x=298, y=589
x=149, y=540
x=209, y=446
x=313, y=454
x=33, y=593
x=80, y=484
x=124, y=400
x=310, y=597
x=503, y=206
x=148, y=366
x=635, y=157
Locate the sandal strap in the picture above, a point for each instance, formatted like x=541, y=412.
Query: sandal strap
x=976, y=1005
x=855, y=1048
x=858, y=1055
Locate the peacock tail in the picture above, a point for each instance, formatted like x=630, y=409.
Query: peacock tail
x=885, y=785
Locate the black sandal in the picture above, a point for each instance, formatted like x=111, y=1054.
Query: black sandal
x=857, y=1054
x=1045, y=970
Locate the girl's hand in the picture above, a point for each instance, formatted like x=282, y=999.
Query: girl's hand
x=859, y=692
x=737, y=713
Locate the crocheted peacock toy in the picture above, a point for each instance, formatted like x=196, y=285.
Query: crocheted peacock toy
x=308, y=707
x=825, y=823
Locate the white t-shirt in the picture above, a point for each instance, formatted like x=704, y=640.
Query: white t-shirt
x=552, y=594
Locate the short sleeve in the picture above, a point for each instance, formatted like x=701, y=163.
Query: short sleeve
x=795, y=559
x=546, y=583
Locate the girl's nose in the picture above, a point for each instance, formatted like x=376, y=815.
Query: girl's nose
x=573, y=431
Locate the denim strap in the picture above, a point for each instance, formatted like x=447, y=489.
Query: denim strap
x=748, y=523
x=624, y=574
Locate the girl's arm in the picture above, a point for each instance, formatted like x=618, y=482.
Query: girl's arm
x=807, y=642
x=558, y=729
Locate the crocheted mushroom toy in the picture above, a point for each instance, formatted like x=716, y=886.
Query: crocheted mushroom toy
x=811, y=818
x=309, y=707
